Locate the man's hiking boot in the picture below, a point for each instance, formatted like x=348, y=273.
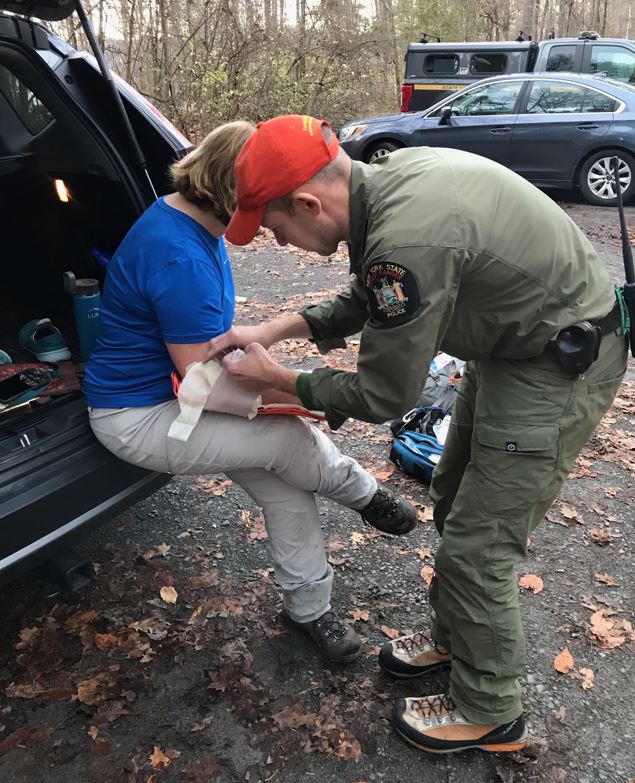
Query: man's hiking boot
x=413, y=655
x=435, y=724
x=390, y=513
x=335, y=640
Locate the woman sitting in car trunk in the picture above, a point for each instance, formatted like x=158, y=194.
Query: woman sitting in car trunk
x=168, y=291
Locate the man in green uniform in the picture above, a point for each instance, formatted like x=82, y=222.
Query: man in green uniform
x=450, y=252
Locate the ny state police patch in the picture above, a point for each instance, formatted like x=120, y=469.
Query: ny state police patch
x=393, y=295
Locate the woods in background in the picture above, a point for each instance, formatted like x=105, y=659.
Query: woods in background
x=210, y=61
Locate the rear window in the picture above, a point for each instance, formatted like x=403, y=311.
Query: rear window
x=441, y=64
x=33, y=113
x=561, y=58
x=488, y=63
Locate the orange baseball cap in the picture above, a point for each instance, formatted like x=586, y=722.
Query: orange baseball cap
x=277, y=158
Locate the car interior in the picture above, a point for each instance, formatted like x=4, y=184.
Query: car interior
x=65, y=206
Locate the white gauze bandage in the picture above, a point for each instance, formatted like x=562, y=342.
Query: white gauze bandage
x=208, y=386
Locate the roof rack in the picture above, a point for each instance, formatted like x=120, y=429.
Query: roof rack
x=424, y=38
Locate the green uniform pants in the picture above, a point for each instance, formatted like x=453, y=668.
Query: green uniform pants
x=516, y=430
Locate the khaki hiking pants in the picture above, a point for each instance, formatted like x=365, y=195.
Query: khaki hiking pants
x=516, y=430
x=280, y=461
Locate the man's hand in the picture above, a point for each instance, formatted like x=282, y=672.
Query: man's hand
x=257, y=371
x=286, y=327
x=238, y=337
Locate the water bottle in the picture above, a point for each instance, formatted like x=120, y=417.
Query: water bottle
x=86, y=301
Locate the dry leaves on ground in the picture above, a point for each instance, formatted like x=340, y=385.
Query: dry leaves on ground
x=586, y=677
x=214, y=487
x=256, y=530
x=600, y=536
x=563, y=662
x=427, y=574
x=605, y=579
x=391, y=633
x=358, y=614
x=571, y=515
x=531, y=582
x=161, y=550
x=609, y=631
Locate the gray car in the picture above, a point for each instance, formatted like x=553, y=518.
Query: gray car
x=557, y=130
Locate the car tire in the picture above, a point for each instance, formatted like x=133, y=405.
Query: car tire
x=596, y=181
x=380, y=150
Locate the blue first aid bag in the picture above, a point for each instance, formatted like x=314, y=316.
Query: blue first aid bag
x=415, y=447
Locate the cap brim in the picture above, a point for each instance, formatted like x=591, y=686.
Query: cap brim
x=244, y=225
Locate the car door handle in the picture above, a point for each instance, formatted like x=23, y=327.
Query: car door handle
x=588, y=126
x=501, y=129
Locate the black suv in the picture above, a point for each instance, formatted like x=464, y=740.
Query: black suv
x=59, y=123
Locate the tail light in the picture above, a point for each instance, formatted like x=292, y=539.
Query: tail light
x=406, y=95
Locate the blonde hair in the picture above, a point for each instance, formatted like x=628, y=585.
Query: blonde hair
x=205, y=176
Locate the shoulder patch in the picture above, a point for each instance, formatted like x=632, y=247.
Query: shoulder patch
x=393, y=294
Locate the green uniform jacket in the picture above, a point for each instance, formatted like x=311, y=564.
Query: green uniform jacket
x=449, y=251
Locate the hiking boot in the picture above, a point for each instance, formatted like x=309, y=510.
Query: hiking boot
x=413, y=655
x=435, y=724
x=390, y=513
x=335, y=640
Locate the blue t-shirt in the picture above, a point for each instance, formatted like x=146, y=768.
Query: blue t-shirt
x=170, y=281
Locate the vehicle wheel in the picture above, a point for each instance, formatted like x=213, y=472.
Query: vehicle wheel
x=380, y=150
x=596, y=180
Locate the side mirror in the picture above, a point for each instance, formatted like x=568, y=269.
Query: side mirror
x=446, y=115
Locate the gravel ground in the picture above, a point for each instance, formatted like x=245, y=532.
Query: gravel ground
x=120, y=685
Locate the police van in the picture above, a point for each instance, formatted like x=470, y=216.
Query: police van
x=433, y=70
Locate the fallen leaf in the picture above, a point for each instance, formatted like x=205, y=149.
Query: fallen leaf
x=605, y=579
x=563, y=662
x=383, y=473
x=169, y=595
x=600, y=536
x=27, y=638
x=424, y=553
x=204, y=581
x=109, y=711
x=609, y=632
x=358, y=614
x=103, y=641
x=93, y=732
x=293, y=716
x=561, y=713
x=427, y=574
x=158, y=759
x=214, y=487
x=349, y=749
x=391, y=633
x=336, y=561
x=96, y=689
x=256, y=530
x=587, y=678
x=358, y=538
x=426, y=514
x=571, y=514
x=531, y=582
x=28, y=690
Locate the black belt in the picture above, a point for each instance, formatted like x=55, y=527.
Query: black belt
x=611, y=322
x=576, y=347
